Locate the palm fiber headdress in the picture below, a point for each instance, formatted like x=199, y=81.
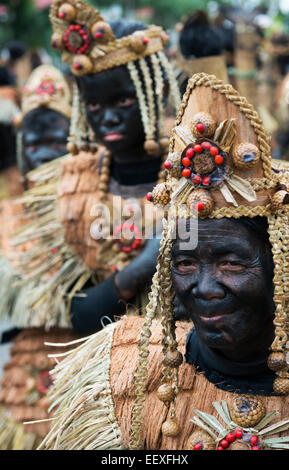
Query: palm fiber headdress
x=219, y=165
x=90, y=46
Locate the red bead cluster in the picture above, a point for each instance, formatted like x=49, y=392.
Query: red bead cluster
x=84, y=36
x=135, y=241
x=190, y=153
x=238, y=434
x=201, y=127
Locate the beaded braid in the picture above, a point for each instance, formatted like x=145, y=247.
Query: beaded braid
x=159, y=87
x=134, y=75
x=174, y=89
x=150, y=97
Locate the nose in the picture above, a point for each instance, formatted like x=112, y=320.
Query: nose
x=207, y=287
x=110, y=118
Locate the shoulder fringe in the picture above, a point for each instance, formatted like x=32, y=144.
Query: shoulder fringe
x=84, y=417
x=47, y=269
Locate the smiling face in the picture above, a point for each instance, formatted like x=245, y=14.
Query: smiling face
x=226, y=283
x=45, y=134
x=112, y=109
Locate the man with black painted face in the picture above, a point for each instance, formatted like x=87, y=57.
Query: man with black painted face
x=217, y=380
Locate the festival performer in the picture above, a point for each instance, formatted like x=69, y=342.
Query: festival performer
x=123, y=79
x=218, y=381
x=43, y=128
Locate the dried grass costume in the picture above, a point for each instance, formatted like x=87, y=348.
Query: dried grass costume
x=128, y=386
x=26, y=376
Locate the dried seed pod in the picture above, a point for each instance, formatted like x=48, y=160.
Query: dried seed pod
x=82, y=65
x=102, y=32
x=139, y=41
x=281, y=385
x=164, y=143
x=203, y=125
x=173, y=164
x=57, y=41
x=71, y=147
x=246, y=155
x=277, y=361
x=173, y=359
x=152, y=147
x=93, y=147
x=161, y=194
x=165, y=393
x=67, y=12
x=170, y=428
x=202, y=201
x=240, y=444
x=247, y=410
x=200, y=437
x=279, y=199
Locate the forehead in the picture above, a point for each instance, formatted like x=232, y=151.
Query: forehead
x=44, y=122
x=107, y=84
x=218, y=235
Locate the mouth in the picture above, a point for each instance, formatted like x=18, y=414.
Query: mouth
x=215, y=317
x=113, y=137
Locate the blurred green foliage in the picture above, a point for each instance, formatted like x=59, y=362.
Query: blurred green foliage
x=26, y=23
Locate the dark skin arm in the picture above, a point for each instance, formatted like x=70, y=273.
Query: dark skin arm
x=108, y=298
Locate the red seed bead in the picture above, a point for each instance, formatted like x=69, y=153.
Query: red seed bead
x=190, y=152
x=238, y=433
x=230, y=437
x=145, y=40
x=149, y=196
x=200, y=127
x=199, y=206
x=206, y=145
x=77, y=27
x=224, y=443
x=214, y=151
x=186, y=161
x=197, y=179
x=98, y=35
x=206, y=181
x=186, y=172
x=167, y=164
x=220, y=448
x=255, y=448
x=254, y=440
x=61, y=15
x=198, y=148
x=77, y=66
x=198, y=446
x=219, y=160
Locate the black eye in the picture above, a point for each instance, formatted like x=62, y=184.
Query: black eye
x=232, y=266
x=125, y=102
x=93, y=107
x=185, y=265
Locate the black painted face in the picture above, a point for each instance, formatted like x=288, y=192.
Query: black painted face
x=113, y=109
x=45, y=139
x=225, y=284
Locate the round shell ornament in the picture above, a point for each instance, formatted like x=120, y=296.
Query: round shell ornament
x=203, y=125
x=161, y=195
x=57, y=41
x=170, y=428
x=102, y=32
x=67, y=12
x=152, y=147
x=277, y=361
x=201, y=201
x=200, y=440
x=82, y=65
x=281, y=385
x=246, y=410
x=139, y=41
x=246, y=155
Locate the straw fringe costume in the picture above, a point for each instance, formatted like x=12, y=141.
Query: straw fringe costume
x=26, y=376
x=66, y=250
x=157, y=401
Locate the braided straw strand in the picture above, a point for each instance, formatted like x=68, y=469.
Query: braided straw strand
x=140, y=96
x=150, y=96
x=159, y=84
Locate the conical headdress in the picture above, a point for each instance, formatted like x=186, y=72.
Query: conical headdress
x=219, y=165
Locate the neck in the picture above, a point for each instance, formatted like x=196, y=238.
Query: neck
x=133, y=155
x=248, y=358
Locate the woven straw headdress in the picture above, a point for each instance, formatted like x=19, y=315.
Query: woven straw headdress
x=219, y=165
x=89, y=45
